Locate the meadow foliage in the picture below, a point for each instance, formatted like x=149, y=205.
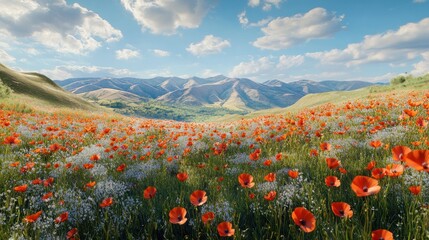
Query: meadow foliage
x=356, y=170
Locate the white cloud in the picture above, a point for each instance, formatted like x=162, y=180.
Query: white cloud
x=254, y=3
x=286, y=62
x=209, y=45
x=166, y=16
x=161, y=53
x=282, y=33
x=404, y=44
x=267, y=4
x=266, y=66
x=244, y=21
x=422, y=67
x=206, y=73
x=69, y=71
x=125, y=54
x=5, y=57
x=54, y=24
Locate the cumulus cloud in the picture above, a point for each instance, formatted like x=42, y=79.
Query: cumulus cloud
x=266, y=66
x=206, y=73
x=406, y=43
x=166, y=16
x=242, y=18
x=125, y=54
x=68, y=71
x=5, y=57
x=161, y=53
x=422, y=67
x=282, y=33
x=209, y=45
x=57, y=25
x=254, y=3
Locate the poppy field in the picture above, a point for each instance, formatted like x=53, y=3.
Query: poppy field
x=355, y=170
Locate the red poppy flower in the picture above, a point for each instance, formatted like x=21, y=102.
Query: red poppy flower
x=225, y=229
x=370, y=165
x=332, y=163
x=270, y=177
x=95, y=157
x=270, y=196
x=246, y=180
x=418, y=159
x=332, y=181
x=379, y=173
x=47, y=196
x=62, y=217
x=33, y=217
x=72, y=234
x=415, y=190
x=341, y=209
x=208, y=216
x=376, y=143
x=381, y=234
x=11, y=140
x=325, y=146
x=198, y=198
x=21, y=188
x=365, y=186
x=178, y=215
x=399, y=152
x=121, y=167
x=182, y=176
x=106, y=202
x=304, y=219
x=293, y=174
x=394, y=170
x=149, y=192
x=90, y=184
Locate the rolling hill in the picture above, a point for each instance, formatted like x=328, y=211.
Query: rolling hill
x=219, y=91
x=39, y=87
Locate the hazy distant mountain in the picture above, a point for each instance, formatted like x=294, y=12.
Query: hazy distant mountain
x=218, y=91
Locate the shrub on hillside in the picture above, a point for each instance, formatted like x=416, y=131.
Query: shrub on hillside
x=398, y=80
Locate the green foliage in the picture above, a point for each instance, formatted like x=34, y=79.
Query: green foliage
x=398, y=80
x=5, y=91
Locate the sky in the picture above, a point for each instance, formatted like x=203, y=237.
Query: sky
x=288, y=40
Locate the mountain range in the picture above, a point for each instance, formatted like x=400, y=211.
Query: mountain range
x=218, y=91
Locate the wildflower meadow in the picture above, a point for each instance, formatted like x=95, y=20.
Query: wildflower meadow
x=353, y=170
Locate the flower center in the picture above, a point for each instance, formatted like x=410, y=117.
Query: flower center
x=226, y=231
x=425, y=165
x=179, y=218
x=200, y=200
x=365, y=189
x=342, y=212
x=302, y=222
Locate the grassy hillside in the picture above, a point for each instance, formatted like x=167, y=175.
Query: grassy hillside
x=407, y=83
x=39, y=89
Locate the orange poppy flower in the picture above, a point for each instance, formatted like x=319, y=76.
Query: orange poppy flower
x=106, y=202
x=381, y=234
x=325, y=146
x=95, y=157
x=399, y=152
x=121, y=167
x=149, y=192
x=252, y=195
x=90, y=184
x=198, y=198
x=21, y=188
x=62, y=217
x=332, y=181
x=370, y=165
x=410, y=112
x=14, y=164
x=33, y=217
x=182, y=176
x=376, y=144
x=342, y=170
x=293, y=174
x=418, y=159
x=225, y=229
x=365, y=186
x=379, y=173
x=304, y=219
x=11, y=140
x=267, y=162
x=178, y=215
x=270, y=177
x=270, y=196
x=246, y=180
x=395, y=170
x=88, y=165
x=341, y=209
x=47, y=196
x=208, y=216
x=72, y=234
x=332, y=163
x=415, y=190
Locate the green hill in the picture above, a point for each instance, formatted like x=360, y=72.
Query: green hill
x=35, y=86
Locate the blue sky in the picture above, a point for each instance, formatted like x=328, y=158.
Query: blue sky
x=371, y=40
